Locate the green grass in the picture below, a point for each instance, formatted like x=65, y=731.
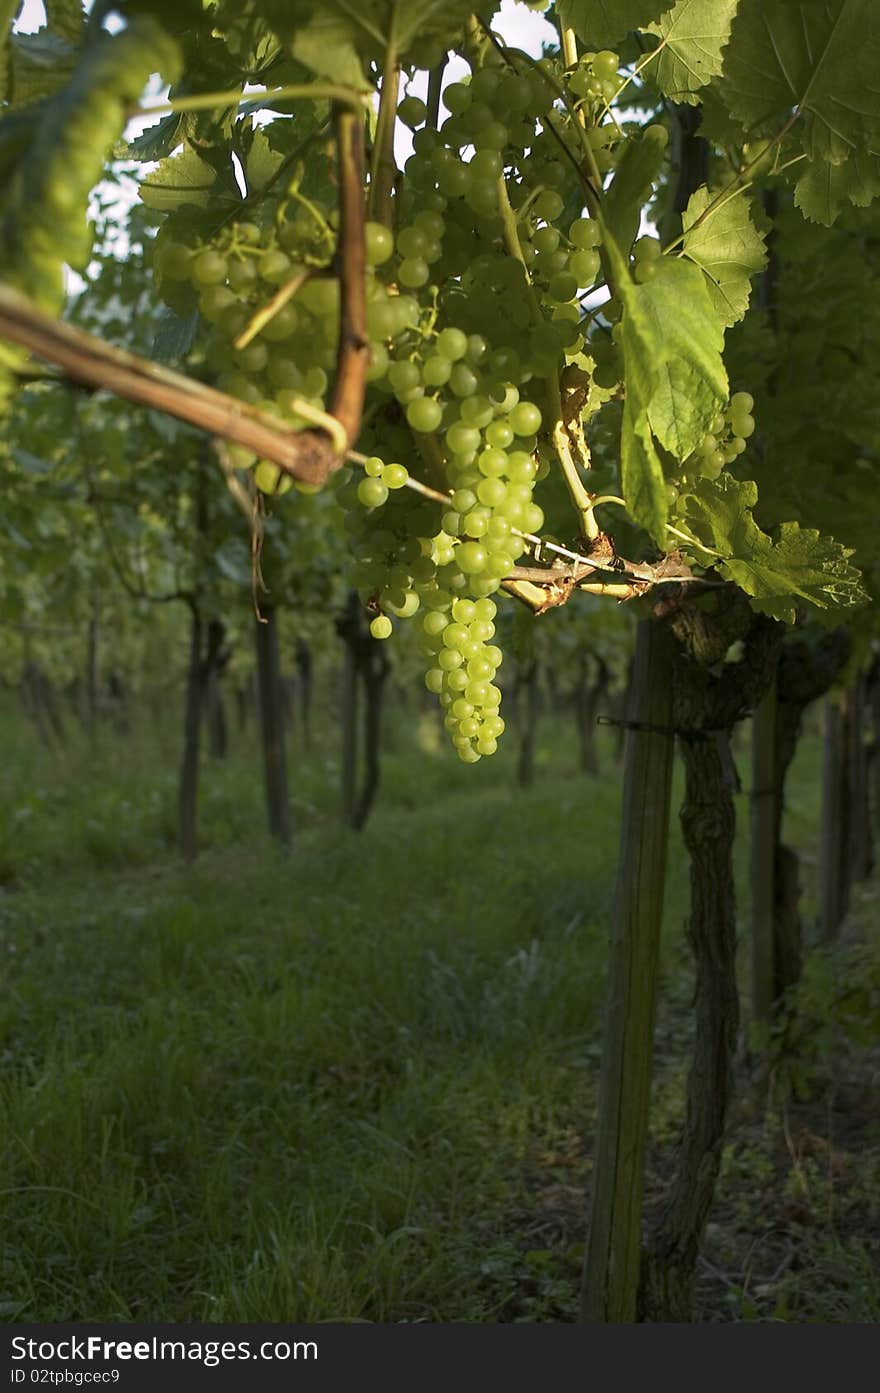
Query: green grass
x=351, y=1082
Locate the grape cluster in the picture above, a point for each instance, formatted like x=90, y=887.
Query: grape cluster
x=723, y=443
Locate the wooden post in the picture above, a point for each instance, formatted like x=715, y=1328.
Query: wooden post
x=611, y=1272
x=764, y=799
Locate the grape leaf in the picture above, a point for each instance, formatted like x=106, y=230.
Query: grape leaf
x=187, y=178
x=819, y=62
x=675, y=379
x=325, y=46
x=600, y=23
x=823, y=189
x=157, y=141
x=66, y=17
x=694, y=35
x=799, y=565
x=728, y=249
x=332, y=40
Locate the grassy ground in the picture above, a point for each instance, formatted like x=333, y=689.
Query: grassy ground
x=358, y=1081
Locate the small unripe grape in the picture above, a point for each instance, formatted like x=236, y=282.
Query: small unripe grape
x=394, y=476
x=743, y=426
x=372, y=493
x=381, y=626
x=270, y=479
x=585, y=233
x=741, y=403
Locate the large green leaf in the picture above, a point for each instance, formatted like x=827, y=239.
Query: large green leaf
x=688, y=342
x=820, y=62
x=600, y=23
x=800, y=565
x=694, y=34
x=675, y=380
x=728, y=248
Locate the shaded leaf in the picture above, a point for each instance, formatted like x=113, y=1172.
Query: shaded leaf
x=799, y=565
x=601, y=23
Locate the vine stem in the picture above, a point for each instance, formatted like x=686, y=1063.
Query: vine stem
x=208, y=101
x=382, y=166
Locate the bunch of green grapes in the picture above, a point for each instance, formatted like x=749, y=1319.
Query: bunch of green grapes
x=724, y=442
x=44, y=224
x=239, y=273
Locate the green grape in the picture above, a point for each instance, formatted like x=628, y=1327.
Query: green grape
x=546, y=240
x=457, y=97
x=585, y=233
x=270, y=479
x=413, y=272
x=436, y=370
x=412, y=241
x=462, y=439
x=275, y=267
x=431, y=223
x=208, y=268
x=394, y=476
x=525, y=418
x=563, y=286
x=452, y=344
x=379, y=243
x=403, y=376
x=462, y=381
x=471, y=558
x=213, y=300
x=408, y=607
x=412, y=111
x=584, y=265
x=424, y=414
x=741, y=404
x=742, y=425
x=381, y=626
x=499, y=434
x=372, y=493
